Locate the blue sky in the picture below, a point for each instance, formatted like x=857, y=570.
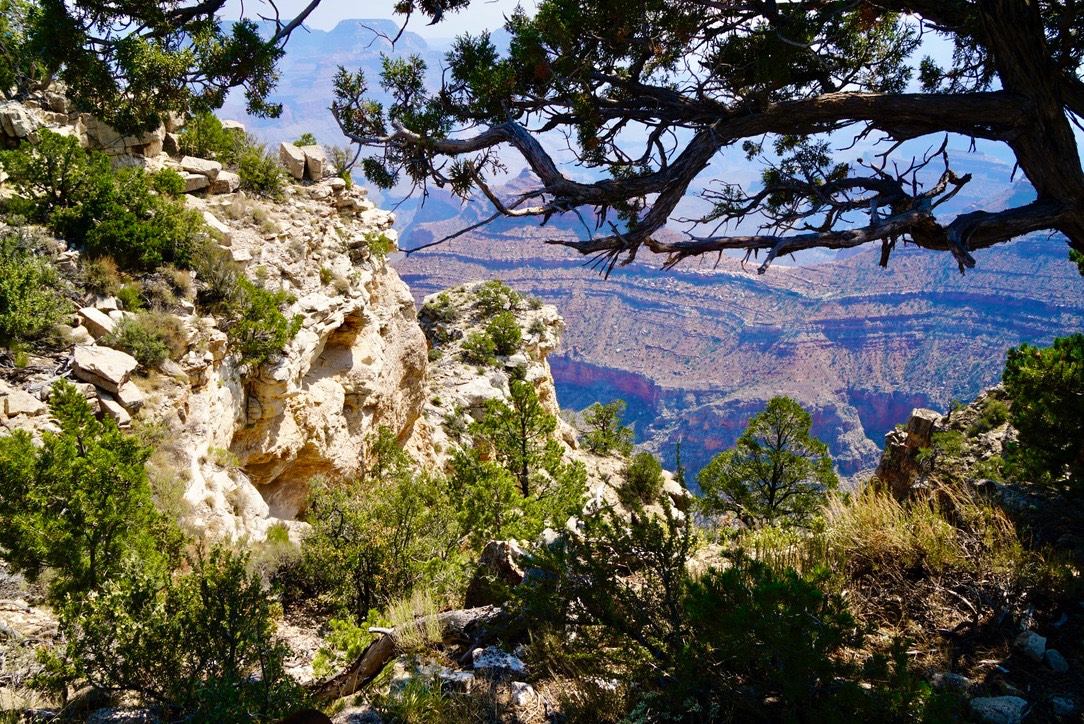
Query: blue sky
x=480, y=15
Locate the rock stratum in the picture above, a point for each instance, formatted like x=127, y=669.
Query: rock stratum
x=695, y=352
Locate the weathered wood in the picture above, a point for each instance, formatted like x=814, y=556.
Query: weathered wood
x=457, y=627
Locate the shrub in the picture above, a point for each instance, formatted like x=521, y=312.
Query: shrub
x=479, y=348
x=150, y=338
x=168, y=182
x=220, y=280
x=376, y=537
x=1047, y=391
x=259, y=329
x=201, y=644
x=260, y=173
x=78, y=196
x=130, y=297
x=441, y=309
x=505, y=333
x=995, y=413
x=305, y=139
x=495, y=296
x=643, y=481
x=380, y=245
x=100, y=275
x=30, y=298
x=605, y=433
x=204, y=136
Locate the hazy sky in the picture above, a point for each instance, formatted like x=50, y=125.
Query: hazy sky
x=480, y=15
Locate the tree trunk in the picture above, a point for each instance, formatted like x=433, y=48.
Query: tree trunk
x=464, y=626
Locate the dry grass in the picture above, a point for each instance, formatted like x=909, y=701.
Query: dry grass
x=420, y=607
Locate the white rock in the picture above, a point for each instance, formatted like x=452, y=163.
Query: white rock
x=215, y=223
x=337, y=185
x=315, y=162
x=1031, y=645
x=491, y=659
x=523, y=694
x=96, y=322
x=114, y=409
x=235, y=126
x=202, y=166
x=107, y=368
x=194, y=181
x=130, y=397
x=17, y=402
x=227, y=182
x=293, y=158
x=999, y=709
x=107, y=304
x=79, y=335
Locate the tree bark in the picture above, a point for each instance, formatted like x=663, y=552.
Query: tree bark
x=463, y=626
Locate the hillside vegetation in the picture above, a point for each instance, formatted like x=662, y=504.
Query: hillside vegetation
x=257, y=488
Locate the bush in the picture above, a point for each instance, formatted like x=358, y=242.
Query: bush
x=995, y=413
x=151, y=338
x=380, y=245
x=30, y=298
x=643, y=481
x=201, y=644
x=260, y=173
x=130, y=297
x=305, y=139
x=505, y=333
x=259, y=329
x=1047, y=391
x=495, y=296
x=376, y=537
x=78, y=196
x=204, y=136
x=479, y=348
x=605, y=433
x=441, y=309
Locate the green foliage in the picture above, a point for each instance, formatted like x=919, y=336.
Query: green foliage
x=100, y=275
x=1047, y=391
x=258, y=329
x=80, y=504
x=479, y=348
x=505, y=332
x=776, y=471
x=344, y=642
x=518, y=432
x=168, y=182
x=305, y=139
x=201, y=643
x=643, y=481
x=20, y=65
x=130, y=297
x=1077, y=258
x=79, y=196
x=380, y=245
x=30, y=295
x=605, y=434
x=151, y=338
x=204, y=136
x=495, y=296
x=376, y=537
x=995, y=413
x=259, y=172
x=441, y=309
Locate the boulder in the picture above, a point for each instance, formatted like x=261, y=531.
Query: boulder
x=130, y=397
x=202, y=166
x=498, y=571
x=194, y=181
x=293, y=158
x=1063, y=706
x=337, y=185
x=226, y=183
x=17, y=121
x=17, y=402
x=114, y=409
x=233, y=126
x=213, y=221
x=1054, y=661
x=1031, y=645
x=107, y=368
x=999, y=709
x=899, y=467
x=315, y=162
x=523, y=694
x=96, y=321
x=107, y=304
x=493, y=661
